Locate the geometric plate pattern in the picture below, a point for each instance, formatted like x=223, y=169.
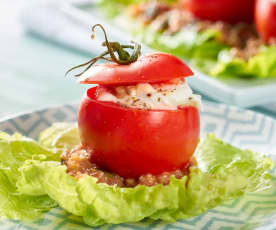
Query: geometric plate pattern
x=242, y=128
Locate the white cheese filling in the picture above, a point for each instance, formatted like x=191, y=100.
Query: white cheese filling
x=165, y=96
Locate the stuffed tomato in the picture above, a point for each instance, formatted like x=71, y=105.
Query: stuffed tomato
x=133, y=142
x=142, y=118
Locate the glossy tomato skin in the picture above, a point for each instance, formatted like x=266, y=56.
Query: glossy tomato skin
x=132, y=142
x=265, y=19
x=150, y=68
x=231, y=11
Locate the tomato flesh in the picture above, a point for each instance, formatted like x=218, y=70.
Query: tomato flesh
x=231, y=11
x=132, y=142
x=150, y=68
x=265, y=19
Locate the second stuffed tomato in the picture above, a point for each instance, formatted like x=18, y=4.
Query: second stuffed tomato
x=133, y=141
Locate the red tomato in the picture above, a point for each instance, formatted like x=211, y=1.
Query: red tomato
x=132, y=142
x=231, y=11
x=265, y=19
x=154, y=67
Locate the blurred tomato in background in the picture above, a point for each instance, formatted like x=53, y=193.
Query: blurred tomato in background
x=265, y=19
x=231, y=11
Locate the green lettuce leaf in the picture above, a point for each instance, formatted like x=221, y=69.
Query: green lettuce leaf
x=60, y=137
x=21, y=207
x=263, y=65
x=112, y=8
x=14, y=151
x=223, y=173
x=187, y=44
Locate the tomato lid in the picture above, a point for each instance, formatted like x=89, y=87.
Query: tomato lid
x=126, y=68
x=150, y=68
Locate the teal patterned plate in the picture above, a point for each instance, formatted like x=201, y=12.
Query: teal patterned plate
x=239, y=127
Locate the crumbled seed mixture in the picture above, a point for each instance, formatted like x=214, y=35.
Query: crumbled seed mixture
x=78, y=164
